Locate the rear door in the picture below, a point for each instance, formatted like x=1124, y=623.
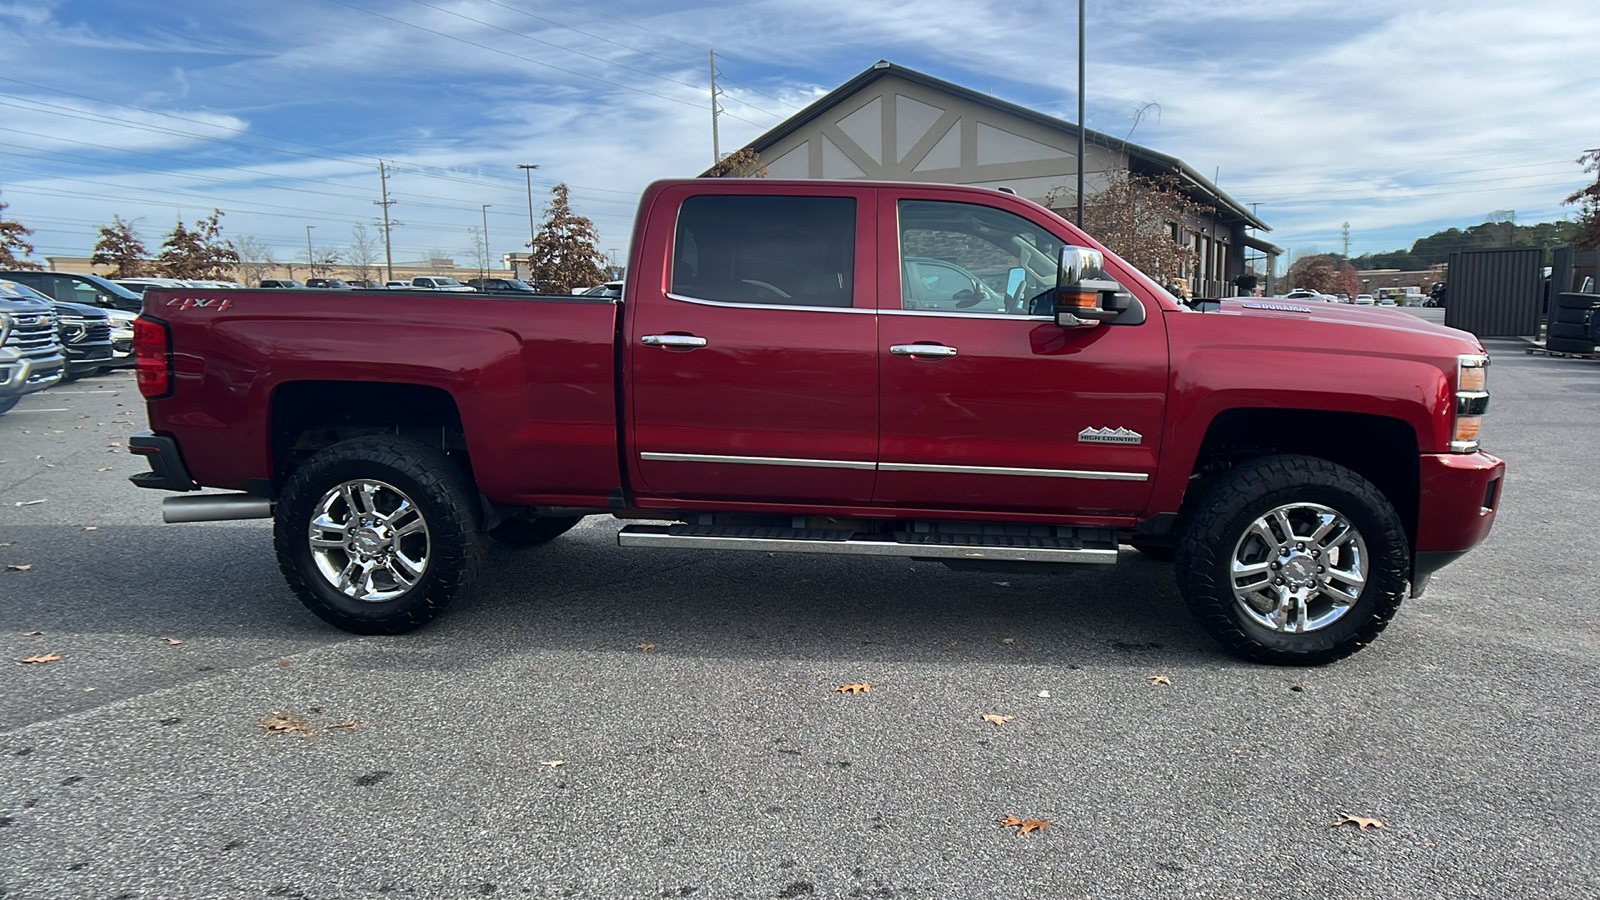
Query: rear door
x=987, y=404
x=752, y=352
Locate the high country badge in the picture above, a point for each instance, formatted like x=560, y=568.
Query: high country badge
x=1109, y=436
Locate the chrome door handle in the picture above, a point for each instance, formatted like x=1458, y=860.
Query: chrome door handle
x=673, y=341
x=938, y=351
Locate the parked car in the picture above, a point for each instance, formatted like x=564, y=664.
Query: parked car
x=438, y=283
x=71, y=287
x=1386, y=301
x=141, y=284
x=609, y=289
x=1363, y=300
x=330, y=284
x=1308, y=294
x=288, y=284
x=397, y=285
x=501, y=286
x=94, y=339
x=85, y=334
x=366, y=285
x=31, y=358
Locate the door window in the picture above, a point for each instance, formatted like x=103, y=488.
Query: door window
x=965, y=258
x=769, y=250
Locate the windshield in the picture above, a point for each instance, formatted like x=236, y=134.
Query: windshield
x=445, y=279
x=110, y=287
x=518, y=284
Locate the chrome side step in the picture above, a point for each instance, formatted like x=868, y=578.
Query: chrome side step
x=1096, y=546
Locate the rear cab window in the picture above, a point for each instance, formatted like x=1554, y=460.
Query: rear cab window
x=768, y=250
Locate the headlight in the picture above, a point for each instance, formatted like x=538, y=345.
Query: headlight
x=1472, y=400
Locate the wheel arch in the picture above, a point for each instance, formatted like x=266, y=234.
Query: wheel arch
x=1381, y=449
x=306, y=416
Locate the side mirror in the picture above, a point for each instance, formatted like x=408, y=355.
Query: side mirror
x=1080, y=288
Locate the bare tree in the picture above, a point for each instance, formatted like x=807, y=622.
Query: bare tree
x=255, y=259
x=1139, y=218
x=480, y=251
x=320, y=260
x=121, y=248
x=362, y=255
x=14, y=244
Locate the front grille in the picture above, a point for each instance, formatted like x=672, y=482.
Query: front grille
x=34, y=334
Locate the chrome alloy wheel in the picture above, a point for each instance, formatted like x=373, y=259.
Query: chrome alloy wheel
x=1298, y=568
x=369, y=540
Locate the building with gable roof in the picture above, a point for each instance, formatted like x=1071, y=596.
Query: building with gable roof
x=891, y=123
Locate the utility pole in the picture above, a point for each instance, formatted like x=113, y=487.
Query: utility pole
x=528, y=168
x=1080, y=112
x=1347, y=240
x=485, y=211
x=388, y=255
x=716, y=149
x=311, y=261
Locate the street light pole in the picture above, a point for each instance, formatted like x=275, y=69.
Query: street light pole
x=528, y=170
x=310, y=260
x=485, y=211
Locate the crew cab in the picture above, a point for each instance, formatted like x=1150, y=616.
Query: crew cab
x=772, y=379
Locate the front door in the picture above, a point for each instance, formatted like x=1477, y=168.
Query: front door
x=986, y=403
x=753, y=359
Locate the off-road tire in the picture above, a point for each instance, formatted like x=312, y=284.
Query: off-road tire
x=519, y=531
x=1220, y=523
x=441, y=493
x=1569, y=331
x=1570, y=315
x=1577, y=301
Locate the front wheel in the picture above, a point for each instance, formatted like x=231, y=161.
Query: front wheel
x=1293, y=560
x=377, y=535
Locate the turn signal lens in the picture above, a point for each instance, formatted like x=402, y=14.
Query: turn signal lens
x=1472, y=400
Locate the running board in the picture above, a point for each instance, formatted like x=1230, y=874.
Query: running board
x=1095, y=546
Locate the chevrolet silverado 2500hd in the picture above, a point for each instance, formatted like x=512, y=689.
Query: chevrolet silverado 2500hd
x=937, y=372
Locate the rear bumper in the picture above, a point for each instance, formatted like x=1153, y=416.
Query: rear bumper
x=167, y=471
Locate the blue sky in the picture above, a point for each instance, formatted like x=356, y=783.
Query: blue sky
x=1399, y=118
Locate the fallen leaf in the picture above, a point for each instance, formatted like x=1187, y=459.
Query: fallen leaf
x=1158, y=679
x=347, y=723
x=554, y=763
x=173, y=641
x=283, y=662
x=1008, y=641
x=32, y=633
x=997, y=719
x=1299, y=686
x=858, y=687
x=48, y=657
x=646, y=646
x=104, y=469
x=91, y=528
x=28, y=502
x=1044, y=695
x=15, y=567
x=281, y=722
x=1361, y=822
x=1023, y=826
x=9, y=544
x=116, y=443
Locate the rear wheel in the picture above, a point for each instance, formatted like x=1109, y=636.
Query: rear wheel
x=1293, y=560
x=377, y=535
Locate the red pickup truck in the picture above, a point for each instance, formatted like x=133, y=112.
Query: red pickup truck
x=936, y=372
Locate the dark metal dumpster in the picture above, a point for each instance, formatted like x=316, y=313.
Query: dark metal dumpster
x=1496, y=293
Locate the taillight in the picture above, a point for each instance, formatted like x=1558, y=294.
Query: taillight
x=1472, y=400
x=152, y=354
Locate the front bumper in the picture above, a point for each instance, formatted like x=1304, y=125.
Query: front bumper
x=1460, y=493
x=26, y=375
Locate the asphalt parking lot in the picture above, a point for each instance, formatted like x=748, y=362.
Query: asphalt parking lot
x=525, y=744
